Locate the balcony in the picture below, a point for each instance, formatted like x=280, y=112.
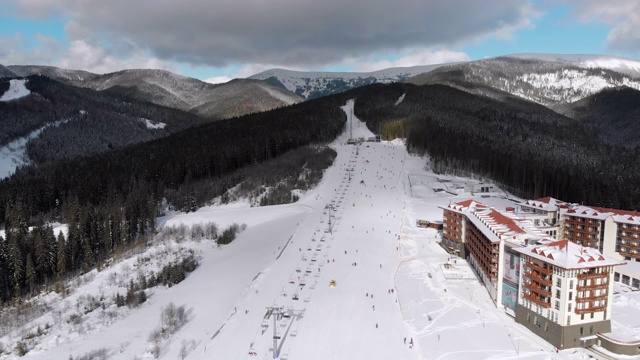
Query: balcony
x=634, y=230
x=534, y=288
x=600, y=286
x=591, y=309
x=591, y=298
x=633, y=255
x=537, y=278
x=593, y=275
x=537, y=300
x=533, y=266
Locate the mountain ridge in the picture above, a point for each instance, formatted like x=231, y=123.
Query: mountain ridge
x=168, y=89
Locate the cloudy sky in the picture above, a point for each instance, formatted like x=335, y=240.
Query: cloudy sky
x=222, y=39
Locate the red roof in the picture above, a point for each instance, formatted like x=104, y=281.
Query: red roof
x=465, y=203
x=561, y=244
x=617, y=211
x=506, y=221
x=546, y=199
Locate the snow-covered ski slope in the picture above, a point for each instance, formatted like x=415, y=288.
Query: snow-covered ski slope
x=390, y=282
x=17, y=90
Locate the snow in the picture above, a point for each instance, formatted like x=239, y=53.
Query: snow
x=620, y=64
x=400, y=99
x=153, y=125
x=391, y=282
x=14, y=154
x=17, y=90
x=571, y=85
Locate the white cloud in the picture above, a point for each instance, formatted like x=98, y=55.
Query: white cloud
x=623, y=16
x=289, y=33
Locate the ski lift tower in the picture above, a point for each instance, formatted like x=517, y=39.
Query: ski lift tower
x=329, y=207
x=351, y=124
x=277, y=312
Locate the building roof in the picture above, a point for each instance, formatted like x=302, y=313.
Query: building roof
x=588, y=212
x=496, y=226
x=546, y=203
x=568, y=255
x=465, y=205
x=601, y=213
x=627, y=219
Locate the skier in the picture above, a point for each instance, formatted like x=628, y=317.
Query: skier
x=405, y=340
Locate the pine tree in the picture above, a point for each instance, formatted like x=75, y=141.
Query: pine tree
x=30, y=274
x=15, y=257
x=5, y=282
x=61, y=264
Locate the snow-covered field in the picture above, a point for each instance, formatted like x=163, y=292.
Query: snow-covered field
x=356, y=229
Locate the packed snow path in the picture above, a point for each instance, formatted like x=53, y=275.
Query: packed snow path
x=386, y=296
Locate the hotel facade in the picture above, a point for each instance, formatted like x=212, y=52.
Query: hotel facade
x=549, y=269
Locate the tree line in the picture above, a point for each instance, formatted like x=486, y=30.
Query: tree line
x=526, y=148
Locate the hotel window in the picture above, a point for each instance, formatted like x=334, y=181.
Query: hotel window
x=570, y=295
x=557, y=305
x=568, y=320
x=570, y=285
x=569, y=307
x=558, y=294
x=559, y=283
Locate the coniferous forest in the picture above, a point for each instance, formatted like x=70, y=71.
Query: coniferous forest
x=110, y=201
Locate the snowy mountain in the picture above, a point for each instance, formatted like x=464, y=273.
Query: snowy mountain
x=616, y=63
x=310, y=85
x=171, y=90
x=72, y=77
x=547, y=82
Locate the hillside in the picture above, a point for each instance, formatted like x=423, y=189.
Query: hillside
x=241, y=96
x=71, y=122
x=546, y=82
x=527, y=148
x=5, y=72
x=613, y=113
x=310, y=84
x=615, y=63
x=171, y=90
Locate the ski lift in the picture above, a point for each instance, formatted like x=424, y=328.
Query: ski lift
x=332, y=284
